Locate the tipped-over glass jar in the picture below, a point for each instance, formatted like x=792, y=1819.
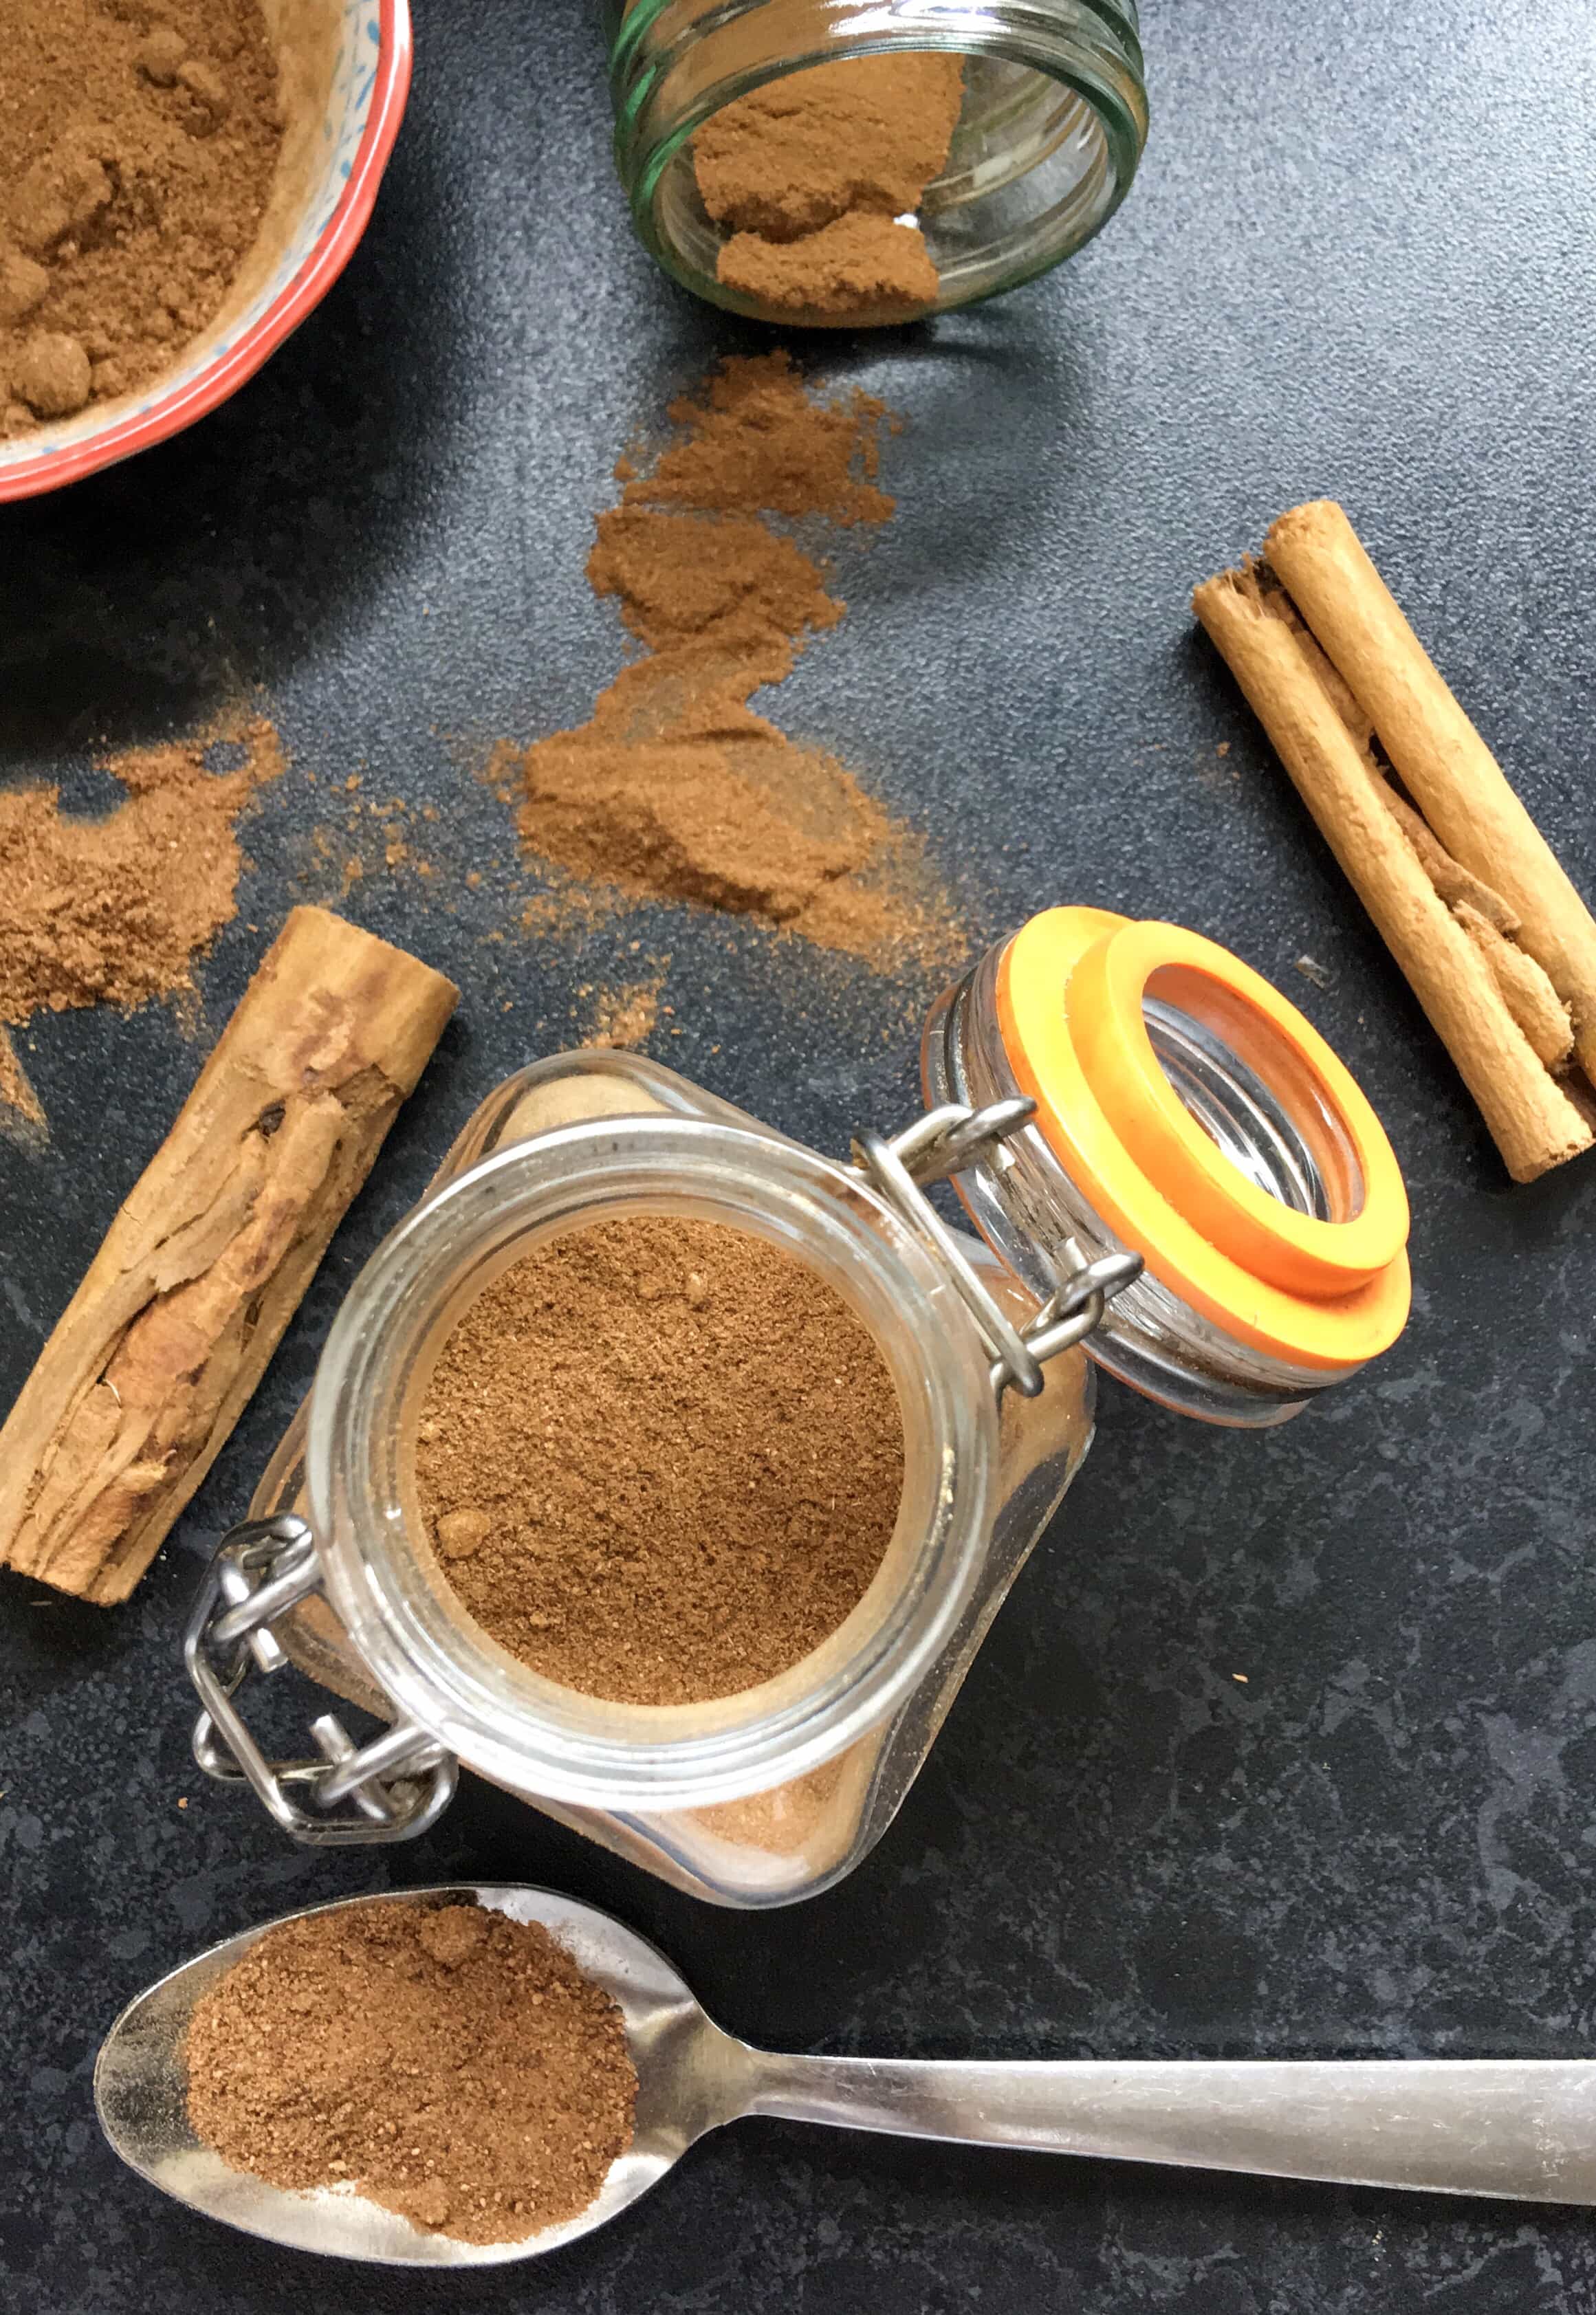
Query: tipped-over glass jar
x=1172, y=1175
x=1050, y=133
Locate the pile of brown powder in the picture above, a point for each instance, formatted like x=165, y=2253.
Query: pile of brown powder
x=114, y=911
x=814, y=177
x=624, y=1017
x=138, y=144
x=661, y=1459
x=449, y=2063
x=677, y=787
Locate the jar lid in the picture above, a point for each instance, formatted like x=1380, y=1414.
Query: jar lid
x=1079, y=994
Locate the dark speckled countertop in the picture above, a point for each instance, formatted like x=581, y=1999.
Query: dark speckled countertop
x=1360, y=262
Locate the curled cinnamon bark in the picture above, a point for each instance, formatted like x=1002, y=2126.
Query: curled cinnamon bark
x=158, y=1353
x=1447, y=768
x=1414, y=887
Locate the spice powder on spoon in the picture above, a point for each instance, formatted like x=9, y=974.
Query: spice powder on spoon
x=661, y=1458
x=449, y=2063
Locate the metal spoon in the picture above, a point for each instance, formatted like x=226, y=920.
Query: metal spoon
x=1524, y=2129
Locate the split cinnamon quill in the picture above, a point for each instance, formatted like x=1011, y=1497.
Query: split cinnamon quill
x=1495, y=942
x=1440, y=759
x=160, y=1348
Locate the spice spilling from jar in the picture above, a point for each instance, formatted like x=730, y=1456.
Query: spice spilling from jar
x=817, y=177
x=446, y=2062
x=676, y=788
x=137, y=145
x=661, y=1458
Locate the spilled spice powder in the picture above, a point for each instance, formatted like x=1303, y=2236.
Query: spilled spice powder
x=448, y=2062
x=625, y=1018
x=754, y=441
x=138, y=140
x=661, y=1459
x=115, y=910
x=816, y=177
x=677, y=787
x=21, y=1113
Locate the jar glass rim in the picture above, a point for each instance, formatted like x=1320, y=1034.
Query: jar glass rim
x=440, y=1668
x=668, y=76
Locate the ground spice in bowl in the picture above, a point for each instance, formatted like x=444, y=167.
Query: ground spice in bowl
x=137, y=147
x=448, y=2064
x=661, y=1459
x=816, y=178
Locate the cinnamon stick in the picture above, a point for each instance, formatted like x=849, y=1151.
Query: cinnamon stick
x=1451, y=879
x=1534, y=1122
x=1525, y=988
x=158, y=1353
x=1485, y=916
x=1450, y=772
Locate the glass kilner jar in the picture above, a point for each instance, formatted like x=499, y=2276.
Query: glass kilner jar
x=1052, y=127
x=1172, y=1175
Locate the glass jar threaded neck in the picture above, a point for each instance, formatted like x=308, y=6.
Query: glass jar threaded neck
x=1053, y=126
x=1275, y=1134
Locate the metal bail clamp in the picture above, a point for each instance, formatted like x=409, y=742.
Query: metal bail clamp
x=946, y=1141
x=390, y=1789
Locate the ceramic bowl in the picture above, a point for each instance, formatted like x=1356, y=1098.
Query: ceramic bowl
x=345, y=78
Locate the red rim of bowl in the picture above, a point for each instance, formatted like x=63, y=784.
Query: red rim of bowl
x=325, y=262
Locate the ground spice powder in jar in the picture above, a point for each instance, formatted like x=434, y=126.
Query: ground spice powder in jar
x=138, y=140
x=449, y=2063
x=816, y=177
x=661, y=1459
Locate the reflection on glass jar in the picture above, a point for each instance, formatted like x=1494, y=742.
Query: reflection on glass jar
x=1049, y=136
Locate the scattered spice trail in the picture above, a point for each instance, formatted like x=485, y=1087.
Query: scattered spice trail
x=115, y=910
x=661, y=1458
x=677, y=788
x=137, y=145
x=453, y=2065
x=625, y=1018
x=21, y=1113
x=814, y=176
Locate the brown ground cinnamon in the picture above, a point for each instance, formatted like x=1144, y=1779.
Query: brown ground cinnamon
x=448, y=2062
x=661, y=1459
x=677, y=787
x=816, y=177
x=114, y=911
x=137, y=145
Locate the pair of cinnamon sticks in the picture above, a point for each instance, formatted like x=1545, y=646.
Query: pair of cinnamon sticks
x=1498, y=946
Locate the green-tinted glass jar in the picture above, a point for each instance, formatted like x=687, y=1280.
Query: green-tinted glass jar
x=1054, y=123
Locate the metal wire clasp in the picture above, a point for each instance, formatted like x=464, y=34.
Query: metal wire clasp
x=390, y=1789
x=944, y=1142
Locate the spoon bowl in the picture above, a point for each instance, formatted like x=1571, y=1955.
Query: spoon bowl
x=1524, y=2129
x=688, y=2075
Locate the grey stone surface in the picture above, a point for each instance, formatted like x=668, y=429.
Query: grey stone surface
x=1360, y=262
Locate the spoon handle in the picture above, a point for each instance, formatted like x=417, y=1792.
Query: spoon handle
x=1520, y=2128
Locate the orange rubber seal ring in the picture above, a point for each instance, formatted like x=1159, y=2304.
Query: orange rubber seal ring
x=1322, y=1294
